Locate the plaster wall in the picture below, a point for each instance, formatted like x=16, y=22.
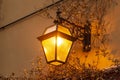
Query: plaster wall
x=18, y=43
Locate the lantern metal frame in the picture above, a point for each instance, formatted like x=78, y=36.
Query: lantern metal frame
x=85, y=38
x=56, y=33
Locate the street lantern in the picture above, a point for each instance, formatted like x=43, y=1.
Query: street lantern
x=56, y=42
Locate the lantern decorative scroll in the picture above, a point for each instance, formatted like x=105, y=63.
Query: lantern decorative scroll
x=56, y=42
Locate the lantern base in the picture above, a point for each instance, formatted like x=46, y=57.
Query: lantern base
x=56, y=63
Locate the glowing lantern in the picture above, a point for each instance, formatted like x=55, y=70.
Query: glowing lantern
x=56, y=43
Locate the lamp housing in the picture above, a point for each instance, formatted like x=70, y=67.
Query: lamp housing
x=56, y=42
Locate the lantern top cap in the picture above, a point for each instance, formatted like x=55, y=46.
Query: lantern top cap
x=59, y=28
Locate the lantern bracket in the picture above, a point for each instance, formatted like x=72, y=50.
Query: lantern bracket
x=82, y=34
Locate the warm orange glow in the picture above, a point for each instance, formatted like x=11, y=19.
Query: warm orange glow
x=63, y=48
x=99, y=60
x=94, y=24
x=57, y=46
x=63, y=29
x=59, y=41
x=56, y=63
x=49, y=51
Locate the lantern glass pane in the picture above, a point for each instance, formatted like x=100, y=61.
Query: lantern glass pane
x=49, y=48
x=63, y=48
x=50, y=29
x=63, y=30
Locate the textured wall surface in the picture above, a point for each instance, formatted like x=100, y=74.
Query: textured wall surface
x=0, y=9
x=116, y=30
x=12, y=10
x=18, y=43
